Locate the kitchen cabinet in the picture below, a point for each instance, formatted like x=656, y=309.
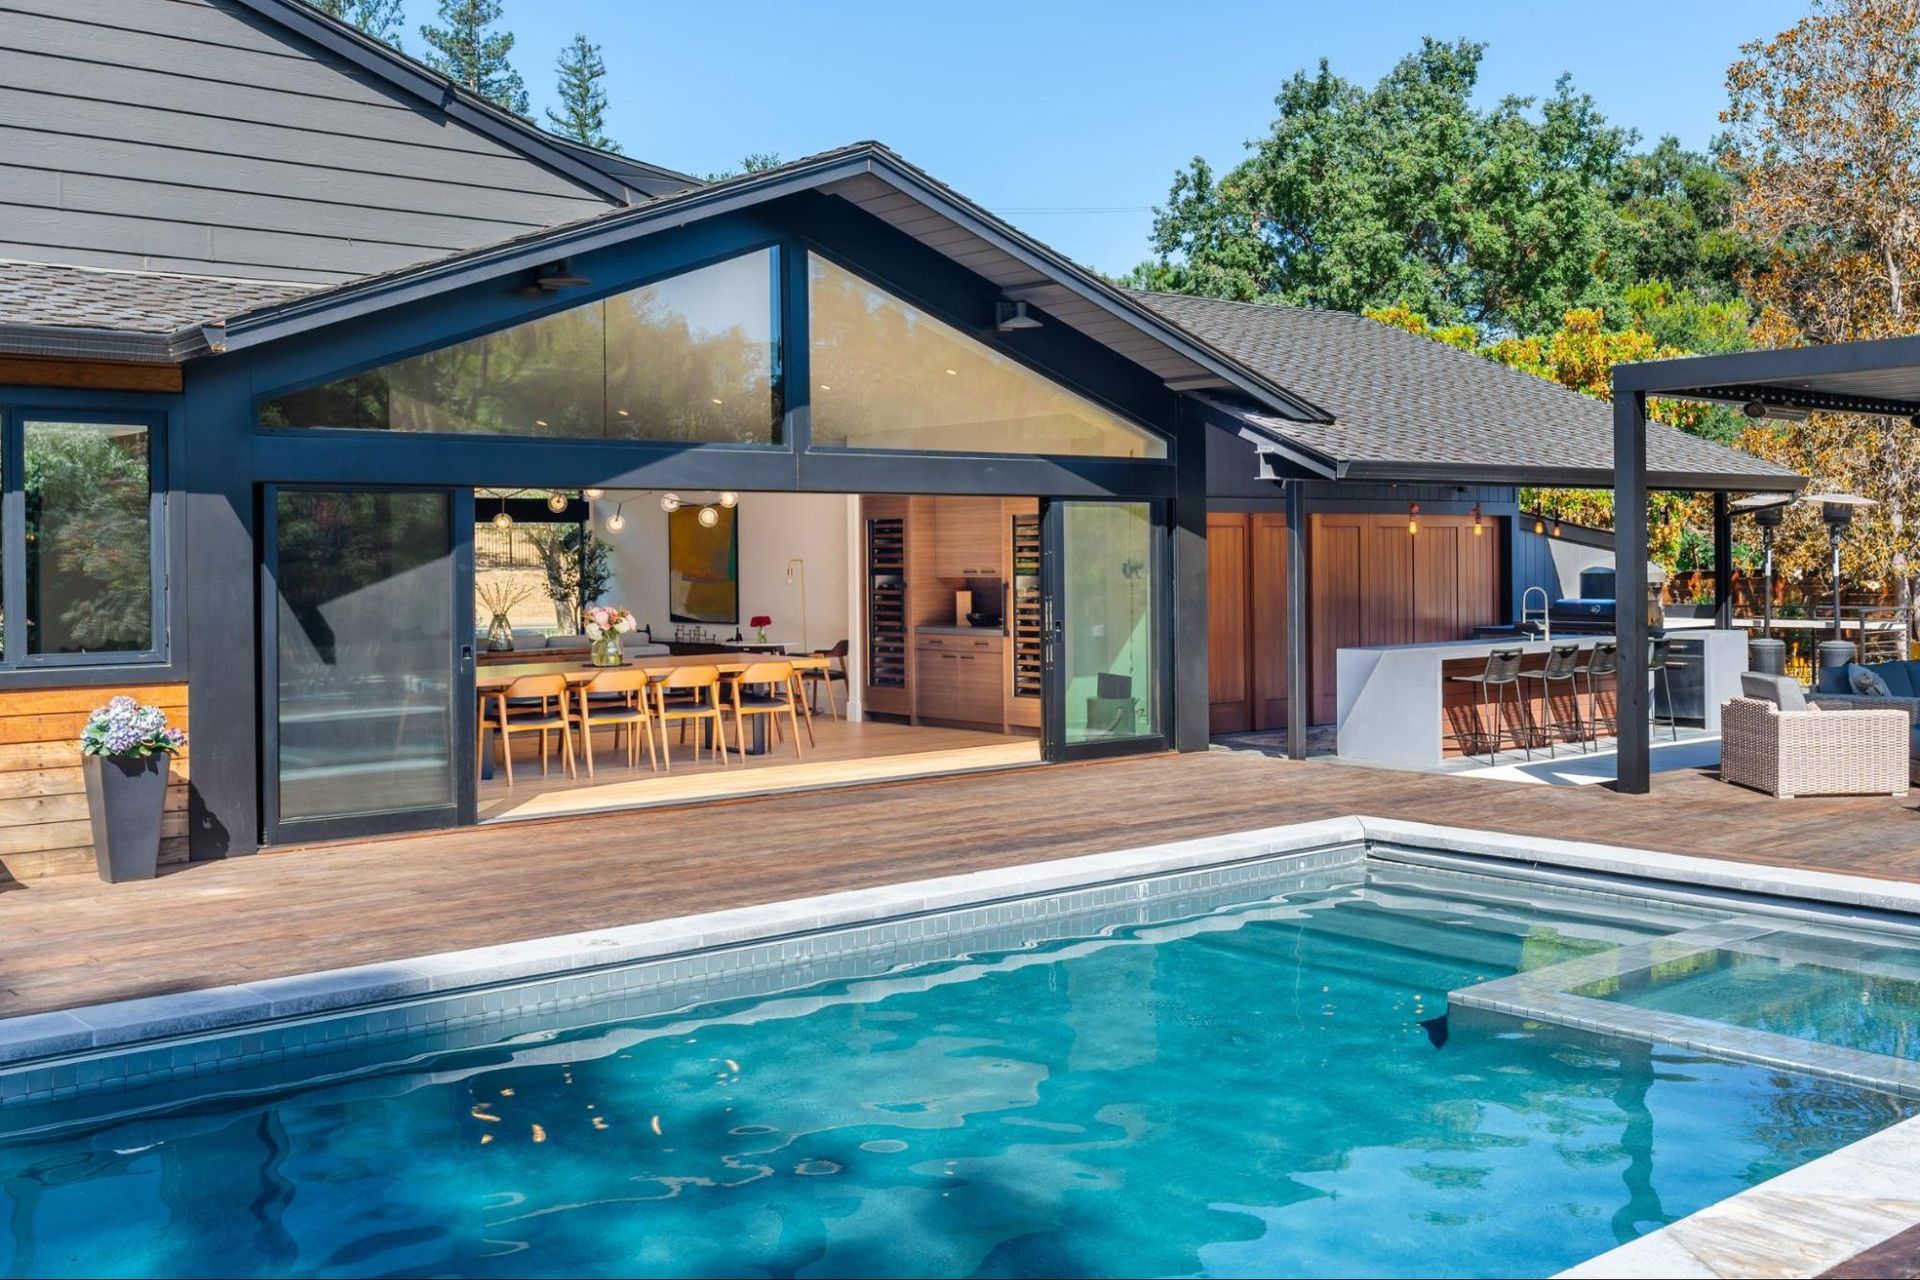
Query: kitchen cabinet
x=967, y=542
x=959, y=677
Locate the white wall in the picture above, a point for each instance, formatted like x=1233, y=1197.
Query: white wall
x=774, y=527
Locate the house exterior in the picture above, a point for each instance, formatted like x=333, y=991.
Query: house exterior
x=282, y=314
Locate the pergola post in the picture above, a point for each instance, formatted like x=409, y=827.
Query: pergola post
x=1722, y=560
x=1632, y=771
x=1296, y=621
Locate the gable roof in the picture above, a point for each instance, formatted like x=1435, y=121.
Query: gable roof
x=1407, y=407
x=61, y=311
x=866, y=174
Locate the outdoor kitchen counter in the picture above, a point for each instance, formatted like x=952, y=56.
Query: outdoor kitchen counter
x=1397, y=705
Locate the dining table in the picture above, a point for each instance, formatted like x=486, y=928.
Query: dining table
x=497, y=676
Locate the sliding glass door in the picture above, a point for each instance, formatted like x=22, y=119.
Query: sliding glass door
x=368, y=634
x=1105, y=616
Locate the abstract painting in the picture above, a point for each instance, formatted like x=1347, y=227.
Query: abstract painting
x=703, y=566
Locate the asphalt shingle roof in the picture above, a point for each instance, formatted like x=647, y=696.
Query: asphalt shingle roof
x=1399, y=398
x=148, y=302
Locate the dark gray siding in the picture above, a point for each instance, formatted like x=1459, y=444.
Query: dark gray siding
x=192, y=135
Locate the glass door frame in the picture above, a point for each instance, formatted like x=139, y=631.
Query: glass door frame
x=463, y=811
x=1054, y=747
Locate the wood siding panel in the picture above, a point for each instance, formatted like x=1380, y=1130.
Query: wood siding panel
x=195, y=135
x=1376, y=584
x=44, y=829
x=89, y=375
x=1229, y=624
x=1269, y=611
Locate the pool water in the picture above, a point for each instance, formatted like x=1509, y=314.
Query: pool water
x=1267, y=1090
x=1855, y=995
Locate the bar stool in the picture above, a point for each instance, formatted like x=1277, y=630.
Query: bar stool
x=1502, y=674
x=1602, y=660
x=1563, y=663
x=1659, y=659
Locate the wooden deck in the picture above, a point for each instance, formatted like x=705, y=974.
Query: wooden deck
x=72, y=941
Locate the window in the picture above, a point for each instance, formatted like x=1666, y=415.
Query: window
x=692, y=358
x=83, y=577
x=888, y=376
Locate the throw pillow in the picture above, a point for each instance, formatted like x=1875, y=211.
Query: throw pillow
x=1867, y=683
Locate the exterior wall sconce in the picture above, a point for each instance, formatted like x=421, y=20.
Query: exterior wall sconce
x=1477, y=527
x=1010, y=316
x=1539, y=525
x=1556, y=528
x=1413, y=517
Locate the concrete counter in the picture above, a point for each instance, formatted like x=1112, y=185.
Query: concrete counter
x=1392, y=699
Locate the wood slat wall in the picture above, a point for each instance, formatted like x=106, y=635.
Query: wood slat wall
x=44, y=828
x=1374, y=583
x=1246, y=621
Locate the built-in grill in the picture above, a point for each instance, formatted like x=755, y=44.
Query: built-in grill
x=1591, y=612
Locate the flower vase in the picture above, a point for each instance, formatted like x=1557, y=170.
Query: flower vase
x=606, y=651
x=499, y=634
x=126, y=802
x=759, y=635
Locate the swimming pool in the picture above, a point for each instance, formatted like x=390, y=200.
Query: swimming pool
x=1257, y=1078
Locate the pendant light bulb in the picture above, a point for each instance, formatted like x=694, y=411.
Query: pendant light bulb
x=556, y=502
x=1413, y=517
x=502, y=520
x=617, y=521
x=729, y=499
x=709, y=517
x=669, y=502
x=1477, y=530
x=593, y=495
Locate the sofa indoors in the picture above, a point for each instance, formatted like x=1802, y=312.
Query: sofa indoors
x=634, y=644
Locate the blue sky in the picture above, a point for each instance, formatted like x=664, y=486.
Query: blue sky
x=1070, y=118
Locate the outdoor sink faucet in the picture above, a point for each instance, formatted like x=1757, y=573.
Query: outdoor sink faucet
x=1546, y=612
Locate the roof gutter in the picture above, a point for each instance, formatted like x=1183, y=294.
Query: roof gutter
x=1571, y=477
x=121, y=346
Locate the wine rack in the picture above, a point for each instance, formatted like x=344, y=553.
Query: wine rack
x=1027, y=638
x=887, y=603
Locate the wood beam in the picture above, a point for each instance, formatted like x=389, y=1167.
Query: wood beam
x=1633, y=767
x=89, y=375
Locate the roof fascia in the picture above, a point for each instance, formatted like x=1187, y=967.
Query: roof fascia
x=469, y=109
x=1011, y=242
x=1703, y=375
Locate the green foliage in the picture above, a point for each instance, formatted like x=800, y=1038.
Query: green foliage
x=578, y=569
x=1407, y=195
x=89, y=538
x=752, y=162
x=583, y=96
x=467, y=48
x=381, y=19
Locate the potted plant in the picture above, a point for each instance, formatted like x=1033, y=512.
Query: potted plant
x=605, y=624
x=125, y=750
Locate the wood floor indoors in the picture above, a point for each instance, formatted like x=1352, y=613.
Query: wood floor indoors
x=72, y=940
x=843, y=753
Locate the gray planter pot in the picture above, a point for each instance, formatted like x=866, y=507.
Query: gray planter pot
x=126, y=798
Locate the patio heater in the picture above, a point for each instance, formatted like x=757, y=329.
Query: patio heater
x=1764, y=653
x=1836, y=512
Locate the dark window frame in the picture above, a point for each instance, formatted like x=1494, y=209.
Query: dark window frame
x=780, y=246
x=13, y=536
x=804, y=247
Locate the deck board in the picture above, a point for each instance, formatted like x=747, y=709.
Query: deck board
x=72, y=941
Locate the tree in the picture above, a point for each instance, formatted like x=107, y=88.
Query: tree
x=583, y=98
x=1408, y=195
x=381, y=19
x=578, y=570
x=1824, y=137
x=468, y=50
x=752, y=162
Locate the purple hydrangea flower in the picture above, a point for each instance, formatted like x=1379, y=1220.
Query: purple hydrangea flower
x=127, y=728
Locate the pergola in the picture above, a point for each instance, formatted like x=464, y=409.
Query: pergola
x=1879, y=378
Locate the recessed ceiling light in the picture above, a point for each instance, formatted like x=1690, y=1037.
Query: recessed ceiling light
x=825, y=387
x=622, y=412
x=954, y=373
x=718, y=400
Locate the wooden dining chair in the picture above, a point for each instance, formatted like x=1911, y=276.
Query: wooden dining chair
x=617, y=699
x=818, y=676
x=777, y=678
x=688, y=695
x=534, y=704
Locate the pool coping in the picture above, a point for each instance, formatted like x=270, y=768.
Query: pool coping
x=1756, y=1232
x=35, y=1038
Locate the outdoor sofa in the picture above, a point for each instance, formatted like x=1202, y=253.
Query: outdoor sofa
x=1773, y=740
x=1903, y=694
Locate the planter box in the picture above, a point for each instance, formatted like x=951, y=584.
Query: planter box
x=126, y=799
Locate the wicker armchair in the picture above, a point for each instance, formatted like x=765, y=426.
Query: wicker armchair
x=1796, y=753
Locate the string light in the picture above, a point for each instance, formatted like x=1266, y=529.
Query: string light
x=709, y=517
x=556, y=502
x=618, y=520
x=669, y=502
x=593, y=495
x=729, y=499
